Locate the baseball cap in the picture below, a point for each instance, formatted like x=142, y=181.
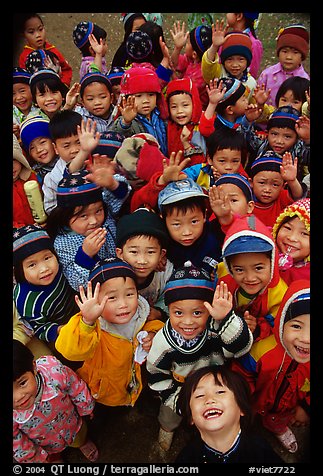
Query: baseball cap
x=179, y=190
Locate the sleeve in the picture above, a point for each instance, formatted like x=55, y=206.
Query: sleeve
x=115, y=199
x=148, y=194
x=25, y=450
x=210, y=69
x=76, y=274
x=206, y=126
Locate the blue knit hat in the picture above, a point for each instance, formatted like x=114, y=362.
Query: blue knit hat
x=115, y=74
x=81, y=33
x=268, y=161
x=189, y=282
x=109, y=144
x=201, y=38
x=29, y=240
x=109, y=268
x=238, y=180
x=36, y=60
x=43, y=75
x=93, y=77
x=32, y=128
x=300, y=305
x=251, y=15
x=234, y=90
x=285, y=116
x=20, y=75
x=75, y=190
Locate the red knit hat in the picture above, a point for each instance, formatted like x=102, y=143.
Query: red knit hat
x=294, y=36
x=237, y=43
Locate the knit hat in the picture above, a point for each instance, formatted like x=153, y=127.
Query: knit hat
x=43, y=75
x=19, y=156
x=109, y=268
x=32, y=128
x=139, y=45
x=300, y=305
x=294, y=36
x=20, y=75
x=138, y=79
x=94, y=77
x=179, y=190
x=141, y=222
x=75, y=190
x=269, y=161
x=236, y=43
x=285, y=116
x=115, y=74
x=140, y=157
x=234, y=90
x=109, y=144
x=189, y=282
x=201, y=38
x=81, y=33
x=238, y=180
x=36, y=60
x=28, y=240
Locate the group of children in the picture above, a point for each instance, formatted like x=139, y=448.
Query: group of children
x=166, y=239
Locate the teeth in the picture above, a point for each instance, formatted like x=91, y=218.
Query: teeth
x=212, y=412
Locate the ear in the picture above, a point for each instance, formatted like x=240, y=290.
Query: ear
x=251, y=206
x=229, y=110
x=119, y=253
x=194, y=55
x=55, y=148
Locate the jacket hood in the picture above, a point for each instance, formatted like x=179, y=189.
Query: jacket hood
x=188, y=86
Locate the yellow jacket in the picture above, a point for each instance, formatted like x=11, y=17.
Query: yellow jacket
x=109, y=368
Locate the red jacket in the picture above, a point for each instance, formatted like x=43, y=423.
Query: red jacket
x=22, y=215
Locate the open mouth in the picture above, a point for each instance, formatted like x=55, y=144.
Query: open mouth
x=212, y=413
x=302, y=351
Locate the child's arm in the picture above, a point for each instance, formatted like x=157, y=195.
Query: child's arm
x=288, y=172
x=179, y=38
x=89, y=139
x=99, y=50
x=210, y=66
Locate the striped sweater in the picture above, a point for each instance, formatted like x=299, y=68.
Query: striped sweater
x=168, y=363
x=44, y=308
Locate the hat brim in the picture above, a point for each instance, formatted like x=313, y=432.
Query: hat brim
x=247, y=244
x=178, y=197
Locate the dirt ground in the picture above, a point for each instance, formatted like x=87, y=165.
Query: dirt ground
x=129, y=435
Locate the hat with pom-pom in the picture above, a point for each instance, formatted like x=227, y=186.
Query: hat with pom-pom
x=29, y=240
x=109, y=268
x=294, y=36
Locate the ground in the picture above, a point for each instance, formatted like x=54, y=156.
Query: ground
x=129, y=435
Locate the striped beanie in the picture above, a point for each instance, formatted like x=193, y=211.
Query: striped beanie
x=43, y=75
x=236, y=43
x=201, y=38
x=28, y=240
x=115, y=74
x=81, y=33
x=294, y=36
x=234, y=90
x=20, y=75
x=238, y=180
x=109, y=268
x=32, y=128
x=75, y=190
x=189, y=282
x=36, y=60
x=300, y=305
x=285, y=116
x=268, y=161
x=109, y=144
x=94, y=77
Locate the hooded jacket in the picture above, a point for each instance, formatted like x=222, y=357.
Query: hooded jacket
x=278, y=382
x=265, y=304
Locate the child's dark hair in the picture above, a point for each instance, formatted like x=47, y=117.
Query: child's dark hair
x=155, y=32
x=23, y=359
x=98, y=33
x=22, y=18
x=18, y=270
x=53, y=84
x=64, y=124
x=233, y=380
x=297, y=85
x=250, y=22
x=184, y=206
x=226, y=138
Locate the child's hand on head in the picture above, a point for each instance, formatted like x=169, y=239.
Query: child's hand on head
x=94, y=241
x=89, y=304
x=250, y=320
x=222, y=302
x=288, y=169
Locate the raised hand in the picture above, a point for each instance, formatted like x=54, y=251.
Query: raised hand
x=89, y=304
x=88, y=135
x=222, y=302
x=219, y=202
x=288, y=169
x=179, y=35
x=215, y=93
x=172, y=170
x=128, y=109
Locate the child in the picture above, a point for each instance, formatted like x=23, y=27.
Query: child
x=292, y=235
x=105, y=333
x=193, y=237
x=82, y=39
x=292, y=48
x=185, y=110
x=292, y=92
x=114, y=75
x=188, y=65
x=37, y=142
x=22, y=98
x=42, y=59
x=131, y=22
x=141, y=241
x=274, y=185
x=278, y=368
x=250, y=268
x=33, y=30
x=245, y=22
x=49, y=393
x=42, y=295
x=22, y=173
x=97, y=98
x=217, y=402
x=196, y=334
x=143, y=108
x=236, y=56
x=48, y=92
x=83, y=225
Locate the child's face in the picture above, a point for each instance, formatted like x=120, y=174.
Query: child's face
x=24, y=391
x=49, y=102
x=188, y=317
x=267, y=186
x=294, y=239
x=281, y=139
x=289, y=58
x=214, y=408
x=143, y=253
x=231, y=19
x=89, y=219
x=116, y=88
x=288, y=99
x=226, y=161
x=146, y=103
x=297, y=338
x=67, y=147
x=40, y=268
x=97, y=99
x=137, y=23
x=122, y=302
x=239, y=108
x=42, y=150
x=22, y=97
x=185, y=228
x=181, y=108
x=16, y=169
x=236, y=65
x=35, y=33
x=251, y=271
x=237, y=199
